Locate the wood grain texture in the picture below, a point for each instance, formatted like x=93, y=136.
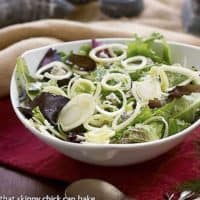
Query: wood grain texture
x=15, y=184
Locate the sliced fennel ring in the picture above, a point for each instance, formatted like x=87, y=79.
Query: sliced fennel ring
x=79, y=72
x=184, y=71
x=130, y=66
x=81, y=85
x=93, y=53
x=101, y=110
x=96, y=121
x=118, y=127
x=146, y=90
x=58, y=71
x=76, y=111
x=158, y=72
x=161, y=119
x=98, y=90
x=119, y=78
x=70, y=85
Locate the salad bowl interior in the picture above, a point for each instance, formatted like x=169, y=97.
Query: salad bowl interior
x=106, y=154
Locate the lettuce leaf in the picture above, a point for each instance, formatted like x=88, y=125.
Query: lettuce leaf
x=185, y=108
x=156, y=129
x=180, y=113
x=25, y=82
x=139, y=133
x=165, y=111
x=43, y=125
x=145, y=114
x=64, y=56
x=38, y=115
x=145, y=47
x=153, y=130
x=124, y=136
x=177, y=125
x=28, y=87
x=139, y=73
x=85, y=50
x=166, y=52
x=149, y=132
x=175, y=78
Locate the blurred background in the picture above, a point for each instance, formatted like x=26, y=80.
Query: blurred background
x=176, y=15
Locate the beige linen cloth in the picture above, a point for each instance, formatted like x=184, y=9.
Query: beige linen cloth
x=159, y=15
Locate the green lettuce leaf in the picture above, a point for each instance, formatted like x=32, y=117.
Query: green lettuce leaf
x=145, y=114
x=165, y=111
x=177, y=125
x=139, y=133
x=123, y=136
x=185, y=108
x=145, y=47
x=154, y=130
x=85, y=50
x=175, y=78
x=27, y=85
x=22, y=70
x=64, y=56
x=25, y=81
x=166, y=52
x=139, y=73
x=38, y=115
x=39, y=122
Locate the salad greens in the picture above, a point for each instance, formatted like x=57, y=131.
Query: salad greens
x=145, y=47
x=110, y=93
x=26, y=84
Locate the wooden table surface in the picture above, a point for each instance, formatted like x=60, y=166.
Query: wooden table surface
x=13, y=183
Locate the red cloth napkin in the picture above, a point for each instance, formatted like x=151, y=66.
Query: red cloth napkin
x=19, y=149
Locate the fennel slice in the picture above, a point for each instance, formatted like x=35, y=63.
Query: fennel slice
x=77, y=111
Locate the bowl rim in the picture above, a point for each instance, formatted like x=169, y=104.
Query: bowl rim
x=54, y=139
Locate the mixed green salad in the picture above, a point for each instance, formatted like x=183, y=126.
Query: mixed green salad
x=110, y=92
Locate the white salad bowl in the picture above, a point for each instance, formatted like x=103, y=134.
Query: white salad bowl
x=107, y=154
